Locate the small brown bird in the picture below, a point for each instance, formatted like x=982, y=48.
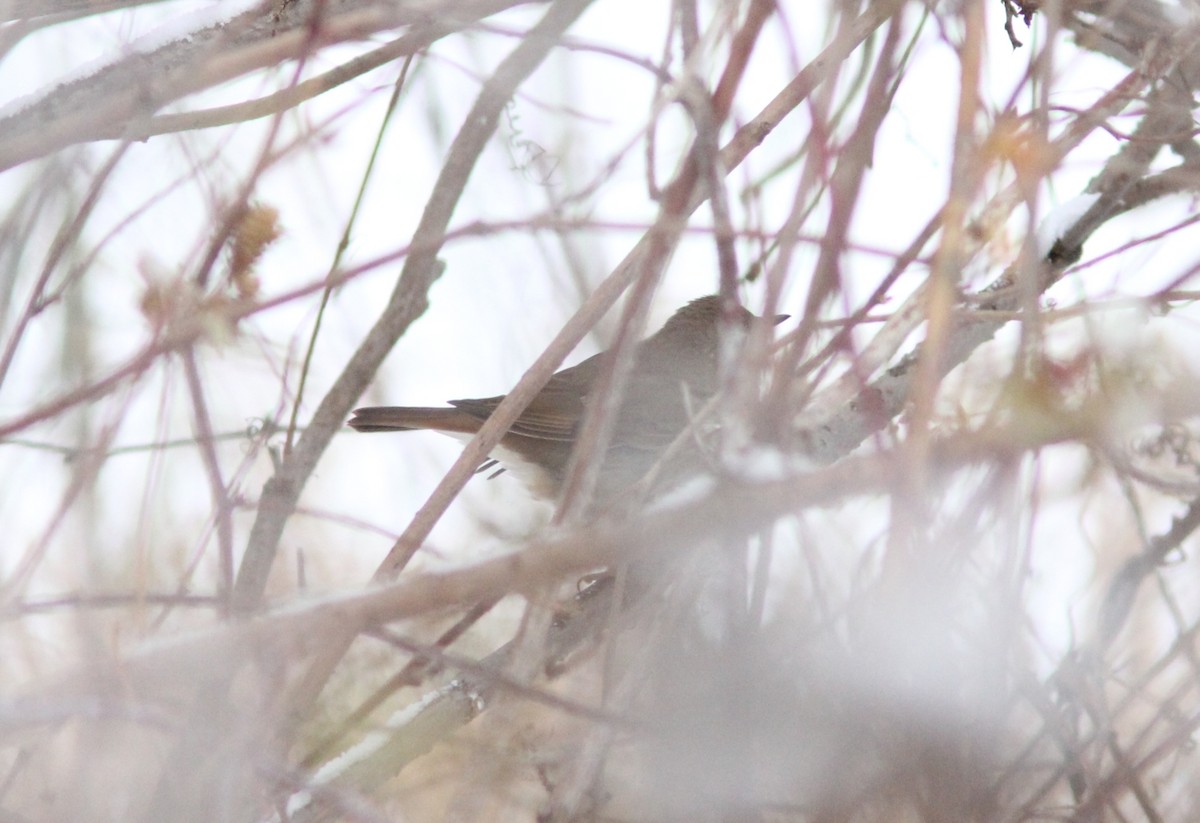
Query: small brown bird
x=674, y=373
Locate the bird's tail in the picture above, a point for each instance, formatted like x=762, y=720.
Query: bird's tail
x=408, y=418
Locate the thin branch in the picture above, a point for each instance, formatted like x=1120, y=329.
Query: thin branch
x=212, y=469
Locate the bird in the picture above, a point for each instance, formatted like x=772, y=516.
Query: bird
x=674, y=372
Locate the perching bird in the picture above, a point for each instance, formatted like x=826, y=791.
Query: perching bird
x=674, y=373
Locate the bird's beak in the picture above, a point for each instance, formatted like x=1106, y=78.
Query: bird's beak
x=779, y=318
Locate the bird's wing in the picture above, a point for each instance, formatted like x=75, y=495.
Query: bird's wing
x=555, y=412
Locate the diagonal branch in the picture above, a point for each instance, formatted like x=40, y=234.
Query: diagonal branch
x=119, y=98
